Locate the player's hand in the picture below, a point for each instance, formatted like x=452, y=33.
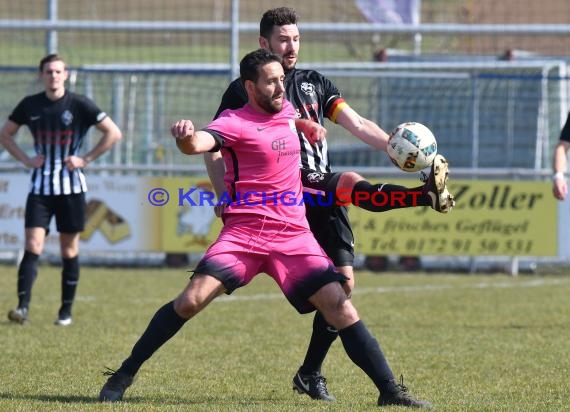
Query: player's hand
x=182, y=128
x=36, y=161
x=314, y=132
x=74, y=162
x=560, y=188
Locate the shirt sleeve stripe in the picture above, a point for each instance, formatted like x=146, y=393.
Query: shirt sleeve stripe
x=337, y=107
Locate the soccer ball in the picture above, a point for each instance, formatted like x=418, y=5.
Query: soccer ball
x=412, y=147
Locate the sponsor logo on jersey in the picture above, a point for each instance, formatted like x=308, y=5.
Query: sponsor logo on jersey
x=278, y=144
x=67, y=118
x=308, y=88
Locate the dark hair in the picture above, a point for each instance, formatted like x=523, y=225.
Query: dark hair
x=280, y=16
x=50, y=58
x=253, y=61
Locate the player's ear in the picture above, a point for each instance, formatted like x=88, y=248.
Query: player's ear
x=249, y=86
x=263, y=43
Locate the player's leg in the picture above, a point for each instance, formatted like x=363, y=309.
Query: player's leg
x=331, y=227
x=224, y=268
x=70, y=221
x=322, y=337
x=308, y=378
x=351, y=188
x=69, y=247
x=168, y=320
x=381, y=197
x=378, y=197
x=361, y=347
x=165, y=323
x=37, y=218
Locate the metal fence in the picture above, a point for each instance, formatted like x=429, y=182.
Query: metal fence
x=484, y=114
x=489, y=78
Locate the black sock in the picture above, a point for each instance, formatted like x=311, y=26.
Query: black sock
x=161, y=328
x=69, y=280
x=27, y=273
x=383, y=197
x=365, y=352
x=321, y=340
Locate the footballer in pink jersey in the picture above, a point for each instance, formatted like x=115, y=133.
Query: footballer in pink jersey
x=257, y=238
x=260, y=153
x=265, y=228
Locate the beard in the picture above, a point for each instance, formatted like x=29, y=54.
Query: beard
x=269, y=103
x=285, y=59
x=288, y=65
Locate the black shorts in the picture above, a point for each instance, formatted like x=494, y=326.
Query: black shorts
x=328, y=221
x=69, y=212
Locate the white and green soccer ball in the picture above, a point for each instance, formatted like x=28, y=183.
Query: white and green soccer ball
x=412, y=147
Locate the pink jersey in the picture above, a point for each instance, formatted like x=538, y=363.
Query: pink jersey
x=261, y=153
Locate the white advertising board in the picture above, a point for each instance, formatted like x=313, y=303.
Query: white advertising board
x=119, y=217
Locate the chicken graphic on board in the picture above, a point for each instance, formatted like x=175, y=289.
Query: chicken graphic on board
x=196, y=220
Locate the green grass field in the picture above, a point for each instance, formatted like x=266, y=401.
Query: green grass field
x=464, y=342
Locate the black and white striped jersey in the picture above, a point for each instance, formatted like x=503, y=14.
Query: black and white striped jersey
x=565, y=132
x=58, y=128
x=313, y=96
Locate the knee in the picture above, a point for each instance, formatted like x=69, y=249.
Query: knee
x=187, y=306
x=34, y=245
x=348, y=312
x=69, y=246
x=343, y=314
x=69, y=253
x=347, y=180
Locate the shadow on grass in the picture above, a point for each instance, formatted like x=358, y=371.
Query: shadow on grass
x=150, y=400
x=50, y=398
x=93, y=399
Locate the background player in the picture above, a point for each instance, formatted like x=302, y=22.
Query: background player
x=559, y=184
x=58, y=121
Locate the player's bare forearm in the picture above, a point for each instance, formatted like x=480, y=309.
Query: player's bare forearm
x=314, y=132
x=364, y=129
x=111, y=135
x=187, y=144
x=216, y=170
x=7, y=134
x=15, y=150
x=560, y=152
x=559, y=164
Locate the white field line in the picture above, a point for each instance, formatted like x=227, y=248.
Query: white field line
x=515, y=283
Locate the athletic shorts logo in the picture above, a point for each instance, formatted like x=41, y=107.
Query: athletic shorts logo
x=315, y=177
